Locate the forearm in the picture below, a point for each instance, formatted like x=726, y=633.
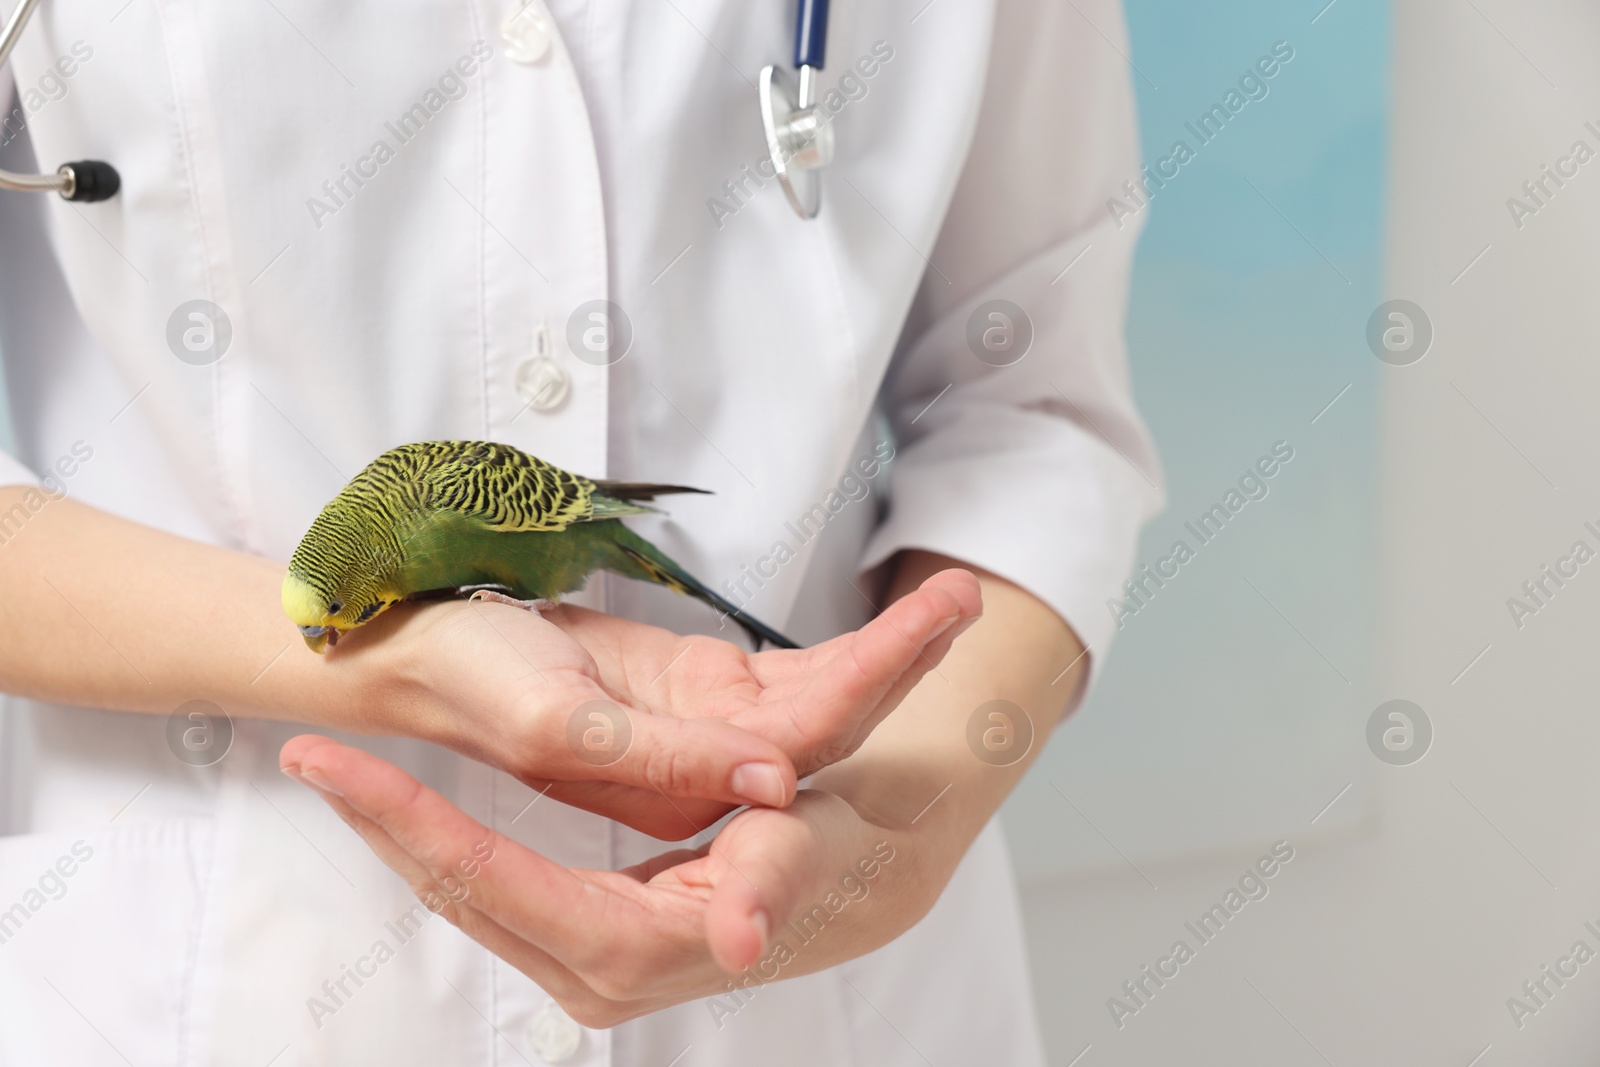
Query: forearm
x=1020, y=651
x=103, y=612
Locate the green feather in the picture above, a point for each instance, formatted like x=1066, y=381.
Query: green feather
x=443, y=515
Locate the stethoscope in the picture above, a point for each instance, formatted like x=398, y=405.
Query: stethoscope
x=87, y=180
x=799, y=137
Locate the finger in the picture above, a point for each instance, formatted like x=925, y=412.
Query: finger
x=653, y=866
x=775, y=666
x=645, y=810
x=846, y=696
x=961, y=584
x=932, y=653
x=442, y=899
x=704, y=758
x=764, y=867
x=541, y=902
x=902, y=645
x=894, y=644
x=576, y=997
x=459, y=907
x=600, y=952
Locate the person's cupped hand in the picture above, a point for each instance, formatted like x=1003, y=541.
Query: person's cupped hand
x=661, y=732
x=610, y=946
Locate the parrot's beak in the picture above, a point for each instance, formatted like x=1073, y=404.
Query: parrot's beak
x=318, y=638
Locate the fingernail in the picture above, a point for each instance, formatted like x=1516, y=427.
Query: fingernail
x=763, y=925
x=318, y=779
x=943, y=627
x=293, y=772
x=759, y=783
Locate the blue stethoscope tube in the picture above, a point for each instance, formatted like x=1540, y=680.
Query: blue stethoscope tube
x=810, y=34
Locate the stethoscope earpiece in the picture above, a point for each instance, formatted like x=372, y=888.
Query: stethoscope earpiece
x=84, y=182
x=89, y=181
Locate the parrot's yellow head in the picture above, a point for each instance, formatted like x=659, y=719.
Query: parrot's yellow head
x=323, y=616
x=342, y=576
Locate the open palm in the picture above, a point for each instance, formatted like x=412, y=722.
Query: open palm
x=662, y=732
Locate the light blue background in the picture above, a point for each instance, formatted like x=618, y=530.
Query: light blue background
x=1215, y=722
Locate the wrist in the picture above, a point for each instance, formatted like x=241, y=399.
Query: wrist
x=373, y=682
x=388, y=676
x=915, y=813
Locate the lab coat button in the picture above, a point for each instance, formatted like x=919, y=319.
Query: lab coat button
x=542, y=384
x=527, y=33
x=553, y=1035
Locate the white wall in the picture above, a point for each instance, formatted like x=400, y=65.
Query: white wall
x=1398, y=938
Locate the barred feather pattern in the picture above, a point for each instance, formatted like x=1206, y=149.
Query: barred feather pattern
x=506, y=487
x=361, y=530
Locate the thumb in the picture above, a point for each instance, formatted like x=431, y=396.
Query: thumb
x=768, y=867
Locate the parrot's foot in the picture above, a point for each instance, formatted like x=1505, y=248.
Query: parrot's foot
x=489, y=596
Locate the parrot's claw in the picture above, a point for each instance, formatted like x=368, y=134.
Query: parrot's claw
x=538, y=605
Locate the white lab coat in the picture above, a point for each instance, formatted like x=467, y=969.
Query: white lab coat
x=206, y=907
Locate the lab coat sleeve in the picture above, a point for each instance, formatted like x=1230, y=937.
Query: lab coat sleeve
x=1042, y=471
x=11, y=472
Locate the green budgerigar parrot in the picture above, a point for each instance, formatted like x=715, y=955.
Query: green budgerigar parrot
x=447, y=516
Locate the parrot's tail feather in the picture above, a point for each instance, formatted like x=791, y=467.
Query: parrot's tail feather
x=657, y=568
x=642, y=490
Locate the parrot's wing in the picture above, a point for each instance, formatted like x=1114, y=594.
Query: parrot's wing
x=607, y=507
x=613, y=499
x=504, y=488
x=642, y=490
x=501, y=487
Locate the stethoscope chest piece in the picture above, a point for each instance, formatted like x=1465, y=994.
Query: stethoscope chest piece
x=799, y=137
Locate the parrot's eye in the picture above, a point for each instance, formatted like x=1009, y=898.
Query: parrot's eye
x=335, y=607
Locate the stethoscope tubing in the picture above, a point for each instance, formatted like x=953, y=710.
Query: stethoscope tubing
x=85, y=181
x=90, y=180
x=810, y=34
